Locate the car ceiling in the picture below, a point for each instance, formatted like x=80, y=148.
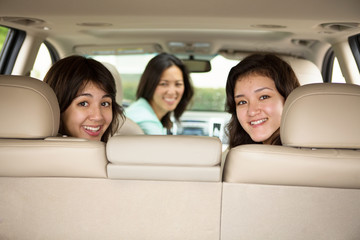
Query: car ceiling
x=287, y=26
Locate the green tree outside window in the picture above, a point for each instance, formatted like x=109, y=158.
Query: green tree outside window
x=3, y=33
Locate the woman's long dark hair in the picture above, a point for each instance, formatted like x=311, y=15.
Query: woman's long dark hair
x=151, y=78
x=268, y=65
x=70, y=75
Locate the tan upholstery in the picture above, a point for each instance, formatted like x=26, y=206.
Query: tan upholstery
x=106, y=209
x=278, y=165
x=186, y=158
x=127, y=126
x=118, y=82
x=52, y=157
x=254, y=211
x=306, y=71
x=323, y=116
x=29, y=119
x=322, y=120
x=56, y=188
x=28, y=108
x=309, y=189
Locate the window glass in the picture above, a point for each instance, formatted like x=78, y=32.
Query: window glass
x=3, y=33
x=42, y=63
x=209, y=87
x=337, y=76
x=210, y=92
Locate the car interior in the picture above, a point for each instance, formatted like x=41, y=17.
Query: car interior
x=190, y=184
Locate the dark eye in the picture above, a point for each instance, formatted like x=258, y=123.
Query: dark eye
x=83, y=104
x=163, y=84
x=264, y=97
x=242, y=102
x=106, y=104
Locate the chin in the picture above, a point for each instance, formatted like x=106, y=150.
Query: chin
x=260, y=139
x=169, y=109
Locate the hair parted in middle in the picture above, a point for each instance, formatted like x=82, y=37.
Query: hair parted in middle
x=151, y=78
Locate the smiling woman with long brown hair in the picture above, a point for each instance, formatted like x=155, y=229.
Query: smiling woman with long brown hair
x=164, y=88
x=256, y=90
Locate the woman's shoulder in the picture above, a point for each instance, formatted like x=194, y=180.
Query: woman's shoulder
x=140, y=110
x=136, y=106
x=140, y=103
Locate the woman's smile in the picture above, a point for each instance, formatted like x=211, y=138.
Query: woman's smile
x=259, y=106
x=90, y=113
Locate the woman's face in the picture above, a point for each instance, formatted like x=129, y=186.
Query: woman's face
x=89, y=114
x=168, y=92
x=259, y=106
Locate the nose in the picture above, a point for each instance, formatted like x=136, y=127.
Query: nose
x=253, y=109
x=95, y=113
x=171, y=89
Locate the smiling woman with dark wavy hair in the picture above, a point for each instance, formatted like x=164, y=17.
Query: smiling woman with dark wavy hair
x=256, y=90
x=164, y=88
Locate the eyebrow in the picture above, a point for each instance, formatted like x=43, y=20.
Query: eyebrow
x=165, y=80
x=90, y=95
x=257, y=90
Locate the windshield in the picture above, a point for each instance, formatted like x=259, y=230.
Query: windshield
x=209, y=87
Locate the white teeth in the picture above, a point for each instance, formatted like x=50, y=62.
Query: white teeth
x=258, y=121
x=94, y=129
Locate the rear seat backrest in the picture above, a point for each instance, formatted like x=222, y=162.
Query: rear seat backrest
x=53, y=188
x=171, y=158
x=29, y=124
x=311, y=181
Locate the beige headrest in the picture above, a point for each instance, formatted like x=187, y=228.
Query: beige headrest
x=168, y=150
x=28, y=108
x=324, y=115
x=129, y=127
x=306, y=71
x=118, y=83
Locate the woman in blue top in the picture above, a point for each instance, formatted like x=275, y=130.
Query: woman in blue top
x=164, y=87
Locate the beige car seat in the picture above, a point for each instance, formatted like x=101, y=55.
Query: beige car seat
x=127, y=126
x=169, y=158
x=306, y=71
x=57, y=187
x=29, y=125
x=310, y=187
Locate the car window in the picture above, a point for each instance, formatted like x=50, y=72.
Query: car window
x=42, y=63
x=209, y=87
x=337, y=76
x=3, y=33
x=210, y=92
